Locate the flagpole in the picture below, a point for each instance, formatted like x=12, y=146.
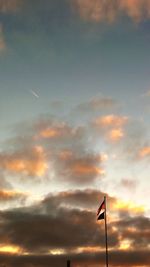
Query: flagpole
x=106, y=233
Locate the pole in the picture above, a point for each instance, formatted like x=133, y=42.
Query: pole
x=106, y=234
x=68, y=263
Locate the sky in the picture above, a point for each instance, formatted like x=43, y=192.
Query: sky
x=74, y=120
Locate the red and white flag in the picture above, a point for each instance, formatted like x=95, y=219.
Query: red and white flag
x=101, y=211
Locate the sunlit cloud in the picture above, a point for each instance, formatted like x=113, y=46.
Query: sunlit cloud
x=10, y=249
x=58, y=130
x=125, y=244
x=79, y=167
x=111, y=121
x=31, y=162
x=50, y=133
x=111, y=126
x=144, y=152
x=128, y=207
x=85, y=169
x=6, y=195
x=57, y=251
x=104, y=156
x=115, y=134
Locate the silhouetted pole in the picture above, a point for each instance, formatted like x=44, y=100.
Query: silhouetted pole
x=106, y=234
x=68, y=263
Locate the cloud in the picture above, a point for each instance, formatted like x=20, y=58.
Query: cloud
x=144, y=152
x=117, y=258
x=112, y=126
x=4, y=184
x=146, y=94
x=41, y=232
x=80, y=167
x=53, y=144
x=7, y=7
x=29, y=162
x=135, y=229
x=67, y=153
x=110, y=10
x=97, y=104
x=10, y=6
x=58, y=132
x=6, y=195
x=111, y=121
x=135, y=145
x=82, y=199
x=2, y=40
x=36, y=230
x=55, y=132
x=128, y=183
x=115, y=134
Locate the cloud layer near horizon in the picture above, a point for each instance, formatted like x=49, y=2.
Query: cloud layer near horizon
x=37, y=230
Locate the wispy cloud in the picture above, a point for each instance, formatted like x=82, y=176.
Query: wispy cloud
x=110, y=10
x=98, y=104
x=9, y=6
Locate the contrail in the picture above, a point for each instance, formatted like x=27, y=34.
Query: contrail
x=34, y=93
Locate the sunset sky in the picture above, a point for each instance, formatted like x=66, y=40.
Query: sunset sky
x=74, y=126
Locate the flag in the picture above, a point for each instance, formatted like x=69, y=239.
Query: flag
x=101, y=211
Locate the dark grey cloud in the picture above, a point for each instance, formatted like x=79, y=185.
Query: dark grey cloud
x=116, y=258
x=136, y=229
x=62, y=229
x=52, y=224
x=83, y=199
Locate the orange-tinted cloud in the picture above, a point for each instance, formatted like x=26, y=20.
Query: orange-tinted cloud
x=111, y=121
x=78, y=167
x=58, y=131
x=82, y=168
x=31, y=162
x=128, y=207
x=10, y=249
x=115, y=134
x=6, y=195
x=65, y=155
x=144, y=152
x=99, y=10
x=50, y=133
x=112, y=126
